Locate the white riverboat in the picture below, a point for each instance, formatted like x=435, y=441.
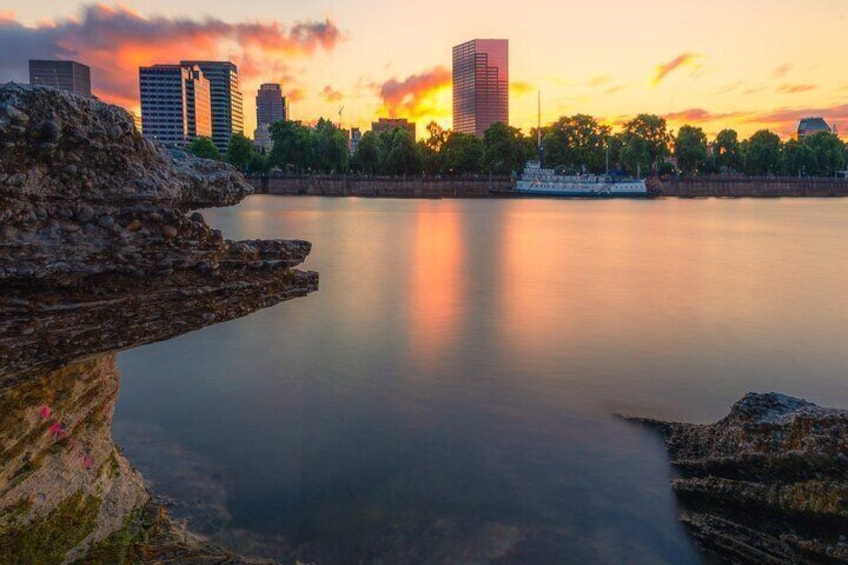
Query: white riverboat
x=536, y=181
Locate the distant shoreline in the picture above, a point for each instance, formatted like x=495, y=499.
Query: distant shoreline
x=499, y=187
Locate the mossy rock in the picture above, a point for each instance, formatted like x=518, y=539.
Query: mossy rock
x=46, y=540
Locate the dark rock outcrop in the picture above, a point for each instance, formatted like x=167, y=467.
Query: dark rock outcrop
x=766, y=484
x=95, y=220
x=100, y=251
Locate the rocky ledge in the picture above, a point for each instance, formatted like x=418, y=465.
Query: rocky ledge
x=766, y=484
x=101, y=249
x=96, y=220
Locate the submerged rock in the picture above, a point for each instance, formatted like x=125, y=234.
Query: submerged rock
x=766, y=484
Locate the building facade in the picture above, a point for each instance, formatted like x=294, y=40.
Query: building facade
x=227, y=103
x=270, y=104
x=480, y=85
x=262, y=138
x=65, y=75
x=812, y=125
x=355, y=138
x=390, y=124
x=176, y=105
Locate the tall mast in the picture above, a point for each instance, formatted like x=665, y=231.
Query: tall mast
x=539, y=126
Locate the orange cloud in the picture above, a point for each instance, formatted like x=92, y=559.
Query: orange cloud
x=664, y=69
x=331, y=95
x=115, y=41
x=295, y=95
x=519, y=88
x=600, y=80
x=414, y=96
x=781, y=71
x=795, y=88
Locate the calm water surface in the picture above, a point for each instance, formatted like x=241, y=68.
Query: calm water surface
x=448, y=396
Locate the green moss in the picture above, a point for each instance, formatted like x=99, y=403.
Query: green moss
x=17, y=510
x=120, y=548
x=47, y=539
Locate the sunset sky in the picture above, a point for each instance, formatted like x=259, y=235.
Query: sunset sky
x=745, y=64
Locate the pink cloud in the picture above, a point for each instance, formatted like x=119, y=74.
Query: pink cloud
x=795, y=88
x=115, y=41
x=662, y=70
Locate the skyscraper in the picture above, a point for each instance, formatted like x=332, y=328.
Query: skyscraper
x=480, y=85
x=175, y=103
x=227, y=105
x=66, y=75
x=270, y=104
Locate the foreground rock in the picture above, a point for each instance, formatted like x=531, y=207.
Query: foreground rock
x=95, y=221
x=100, y=251
x=767, y=484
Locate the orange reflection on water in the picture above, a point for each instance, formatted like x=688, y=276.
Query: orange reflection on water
x=436, y=282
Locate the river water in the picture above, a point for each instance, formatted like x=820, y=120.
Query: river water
x=449, y=394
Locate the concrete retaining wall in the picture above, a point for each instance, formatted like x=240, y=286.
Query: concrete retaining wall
x=479, y=187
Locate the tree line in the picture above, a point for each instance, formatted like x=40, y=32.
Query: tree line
x=573, y=144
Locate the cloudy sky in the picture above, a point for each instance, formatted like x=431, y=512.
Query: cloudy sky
x=746, y=64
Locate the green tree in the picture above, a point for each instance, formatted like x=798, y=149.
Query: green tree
x=462, y=154
x=203, y=147
x=578, y=143
x=330, y=152
x=646, y=140
x=798, y=159
x=367, y=157
x=240, y=152
x=293, y=146
x=829, y=153
x=259, y=163
x=402, y=158
x=690, y=149
x=429, y=149
x=504, y=149
x=762, y=154
x=727, y=151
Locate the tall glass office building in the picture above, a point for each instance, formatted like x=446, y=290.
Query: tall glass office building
x=227, y=104
x=480, y=85
x=175, y=103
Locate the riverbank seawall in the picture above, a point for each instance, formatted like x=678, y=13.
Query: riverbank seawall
x=483, y=187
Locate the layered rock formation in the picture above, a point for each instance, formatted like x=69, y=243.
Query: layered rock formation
x=100, y=251
x=766, y=484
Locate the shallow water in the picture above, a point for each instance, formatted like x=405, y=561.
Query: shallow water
x=448, y=396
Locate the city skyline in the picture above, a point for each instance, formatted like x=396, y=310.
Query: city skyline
x=745, y=66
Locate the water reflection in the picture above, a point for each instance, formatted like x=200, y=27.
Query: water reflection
x=447, y=394
x=437, y=292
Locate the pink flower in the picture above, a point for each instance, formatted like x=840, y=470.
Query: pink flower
x=45, y=412
x=58, y=429
x=87, y=462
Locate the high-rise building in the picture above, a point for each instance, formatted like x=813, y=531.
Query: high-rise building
x=270, y=104
x=389, y=124
x=66, y=75
x=175, y=103
x=227, y=105
x=480, y=85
